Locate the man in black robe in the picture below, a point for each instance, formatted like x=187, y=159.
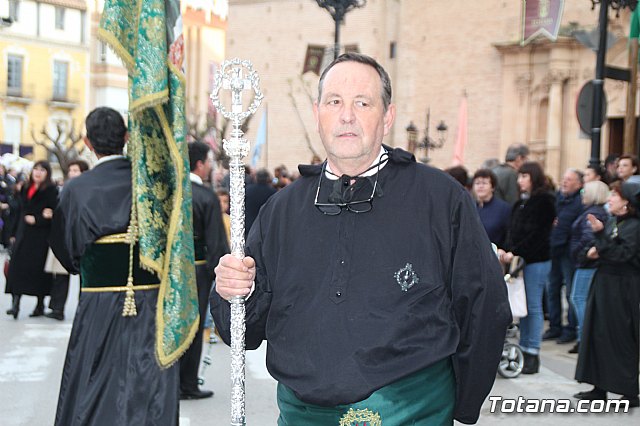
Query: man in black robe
x=111, y=376
x=376, y=287
x=210, y=242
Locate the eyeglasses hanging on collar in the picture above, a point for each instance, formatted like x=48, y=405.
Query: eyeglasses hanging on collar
x=360, y=206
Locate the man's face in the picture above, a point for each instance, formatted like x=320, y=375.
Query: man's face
x=74, y=171
x=350, y=116
x=570, y=182
x=520, y=160
x=625, y=168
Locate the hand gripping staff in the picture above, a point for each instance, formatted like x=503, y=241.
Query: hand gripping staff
x=237, y=75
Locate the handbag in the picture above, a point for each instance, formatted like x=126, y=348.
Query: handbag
x=515, y=288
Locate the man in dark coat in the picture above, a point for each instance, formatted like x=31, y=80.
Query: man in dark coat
x=210, y=242
x=255, y=196
x=376, y=287
x=111, y=376
x=568, y=208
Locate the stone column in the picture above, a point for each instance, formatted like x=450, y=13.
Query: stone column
x=555, y=80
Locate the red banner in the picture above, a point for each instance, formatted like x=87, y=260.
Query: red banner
x=541, y=17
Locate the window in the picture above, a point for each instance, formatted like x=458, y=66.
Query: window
x=14, y=75
x=13, y=130
x=14, y=9
x=60, y=18
x=60, y=76
x=103, y=52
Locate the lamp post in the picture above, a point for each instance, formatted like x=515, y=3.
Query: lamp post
x=337, y=9
x=598, y=82
x=427, y=142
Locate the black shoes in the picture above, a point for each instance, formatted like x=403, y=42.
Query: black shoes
x=551, y=334
x=196, y=394
x=567, y=338
x=15, y=307
x=56, y=315
x=594, y=394
x=531, y=363
x=37, y=312
x=575, y=349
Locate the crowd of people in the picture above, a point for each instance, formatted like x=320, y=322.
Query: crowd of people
x=583, y=237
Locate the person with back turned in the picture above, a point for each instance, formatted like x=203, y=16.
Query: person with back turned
x=376, y=286
x=111, y=376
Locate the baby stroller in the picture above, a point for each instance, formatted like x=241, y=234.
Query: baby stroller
x=512, y=360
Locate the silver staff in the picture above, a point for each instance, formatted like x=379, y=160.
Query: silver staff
x=237, y=76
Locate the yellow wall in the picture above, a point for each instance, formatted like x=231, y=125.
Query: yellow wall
x=37, y=86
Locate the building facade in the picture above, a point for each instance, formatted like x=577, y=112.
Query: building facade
x=44, y=72
x=435, y=52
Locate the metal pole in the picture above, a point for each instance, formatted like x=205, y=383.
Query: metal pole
x=598, y=85
x=230, y=76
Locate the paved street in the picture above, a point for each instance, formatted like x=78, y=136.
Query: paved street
x=32, y=354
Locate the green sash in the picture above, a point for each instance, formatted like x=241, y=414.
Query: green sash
x=107, y=265
x=425, y=398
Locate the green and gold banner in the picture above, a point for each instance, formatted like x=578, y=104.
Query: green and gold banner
x=147, y=36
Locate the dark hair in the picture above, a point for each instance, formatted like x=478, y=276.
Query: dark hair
x=486, y=173
x=82, y=165
x=366, y=60
x=198, y=151
x=106, y=131
x=634, y=161
x=460, y=174
x=619, y=188
x=535, y=172
x=596, y=169
x=263, y=177
x=611, y=158
x=45, y=165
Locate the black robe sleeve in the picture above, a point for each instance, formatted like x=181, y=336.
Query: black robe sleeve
x=59, y=232
x=481, y=309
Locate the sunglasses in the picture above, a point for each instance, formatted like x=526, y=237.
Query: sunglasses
x=334, y=209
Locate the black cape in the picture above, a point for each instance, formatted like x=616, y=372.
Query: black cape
x=328, y=296
x=110, y=374
x=609, y=344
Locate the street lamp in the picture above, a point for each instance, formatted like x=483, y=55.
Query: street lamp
x=337, y=9
x=427, y=142
x=598, y=82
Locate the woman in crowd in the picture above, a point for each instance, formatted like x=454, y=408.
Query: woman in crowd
x=608, y=357
x=26, y=269
x=494, y=213
x=528, y=237
x=594, y=196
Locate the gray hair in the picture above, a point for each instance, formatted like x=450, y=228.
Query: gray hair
x=595, y=192
x=366, y=60
x=516, y=150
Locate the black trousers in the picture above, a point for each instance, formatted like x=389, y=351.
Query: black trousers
x=59, y=292
x=190, y=361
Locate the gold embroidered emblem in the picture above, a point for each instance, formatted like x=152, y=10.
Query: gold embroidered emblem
x=364, y=417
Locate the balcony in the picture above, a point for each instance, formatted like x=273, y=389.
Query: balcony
x=17, y=95
x=64, y=100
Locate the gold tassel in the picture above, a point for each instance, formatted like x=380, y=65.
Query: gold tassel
x=129, y=309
